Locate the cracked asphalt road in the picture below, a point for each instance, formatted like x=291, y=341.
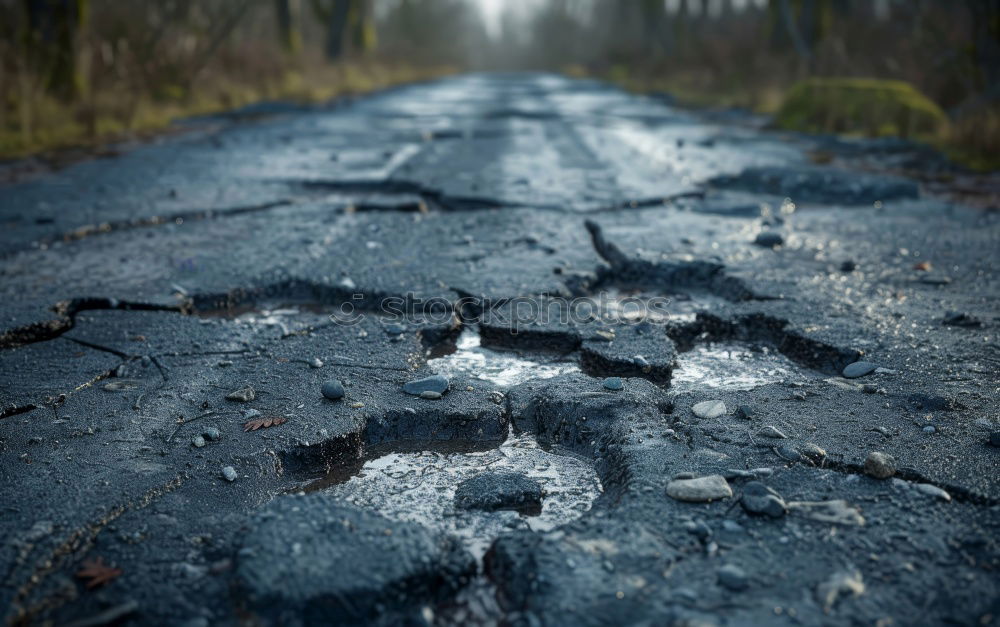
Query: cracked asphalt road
x=139, y=292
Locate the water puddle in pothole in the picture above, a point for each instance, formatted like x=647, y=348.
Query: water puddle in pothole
x=503, y=368
x=635, y=305
x=420, y=487
x=286, y=318
x=734, y=366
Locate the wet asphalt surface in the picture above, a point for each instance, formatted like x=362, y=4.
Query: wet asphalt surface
x=138, y=293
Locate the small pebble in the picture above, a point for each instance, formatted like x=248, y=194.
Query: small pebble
x=733, y=578
x=699, y=490
x=812, y=452
x=229, y=473
x=250, y=414
x=613, y=383
x=929, y=429
x=333, y=389
x=435, y=383
x=316, y=362
x=789, y=452
x=430, y=394
x=769, y=239
x=771, y=431
x=211, y=433
x=709, y=409
x=859, y=369
x=198, y=441
x=961, y=319
x=242, y=395
x=848, y=266
x=745, y=412
x=880, y=465
x=761, y=500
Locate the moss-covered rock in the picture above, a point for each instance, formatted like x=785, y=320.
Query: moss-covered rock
x=860, y=106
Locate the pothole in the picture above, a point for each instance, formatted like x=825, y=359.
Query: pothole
x=420, y=487
x=734, y=366
x=503, y=368
x=288, y=318
x=635, y=305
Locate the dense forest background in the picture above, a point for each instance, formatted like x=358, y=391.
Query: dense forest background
x=84, y=71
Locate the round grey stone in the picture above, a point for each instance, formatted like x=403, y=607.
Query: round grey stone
x=333, y=389
x=198, y=441
x=613, y=383
x=761, y=500
x=229, y=473
x=880, y=465
x=211, y=433
x=733, y=578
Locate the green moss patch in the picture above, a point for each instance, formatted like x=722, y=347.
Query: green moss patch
x=861, y=106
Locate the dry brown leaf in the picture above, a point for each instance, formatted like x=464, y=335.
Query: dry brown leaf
x=97, y=572
x=264, y=423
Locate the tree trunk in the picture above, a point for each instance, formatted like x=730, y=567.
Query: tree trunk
x=336, y=27
x=287, y=15
x=53, y=33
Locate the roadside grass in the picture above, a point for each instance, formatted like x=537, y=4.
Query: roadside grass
x=33, y=122
x=845, y=106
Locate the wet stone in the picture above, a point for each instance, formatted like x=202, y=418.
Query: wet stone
x=733, y=578
x=242, y=395
x=613, y=383
x=316, y=560
x=770, y=431
x=434, y=383
x=492, y=491
x=229, y=473
x=812, y=452
x=769, y=239
x=761, y=500
x=709, y=409
x=333, y=389
x=880, y=465
x=859, y=369
x=961, y=319
x=211, y=433
x=699, y=490
x=933, y=491
x=789, y=453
